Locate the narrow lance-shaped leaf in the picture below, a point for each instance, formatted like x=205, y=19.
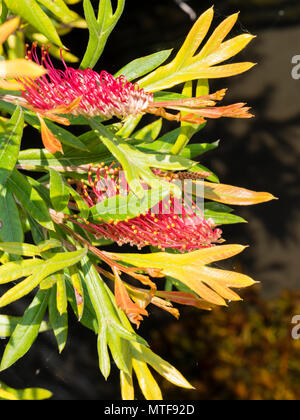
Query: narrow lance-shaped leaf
x=29, y=198
x=26, y=331
x=8, y=28
x=34, y=14
x=231, y=195
x=60, y=10
x=59, y=192
x=10, y=145
x=61, y=295
x=29, y=394
x=53, y=265
x=11, y=229
x=59, y=322
x=141, y=66
x=78, y=290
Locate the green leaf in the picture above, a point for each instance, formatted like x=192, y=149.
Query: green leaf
x=26, y=331
x=122, y=207
x=59, y=193
x=107, y=317
x=29, y=198
x=188, y=130
x=9, y=323
x=141, y=66
x=60, y=10
x=11, y=229
x=50, y=244
x=164, y=368
x=53, y=265
x=213, y=206
x=34, y=14
x=29, y=394
x=10, y=145
x=100, y=28
x=59, y=322
x=220, y=218
x=78, y=290
x=189, y=65
x=61, y=295
x=16, y=248
x=150, y=132
x=103, y=354
x=88, y=318
x=15, y=270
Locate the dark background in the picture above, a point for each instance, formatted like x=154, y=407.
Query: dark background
x=260, y=154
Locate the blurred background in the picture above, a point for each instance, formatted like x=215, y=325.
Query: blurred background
x=245, y=351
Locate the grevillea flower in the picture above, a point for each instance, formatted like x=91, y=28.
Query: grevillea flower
x=91, y=94
x=175, y=223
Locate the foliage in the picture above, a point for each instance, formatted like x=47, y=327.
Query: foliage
x=79, y=205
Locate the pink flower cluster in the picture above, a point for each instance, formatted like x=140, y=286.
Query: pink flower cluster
x=101, y=93
x=181, y=227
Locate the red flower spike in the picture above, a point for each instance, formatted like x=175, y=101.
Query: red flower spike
x=91, y=94
x=180, y=227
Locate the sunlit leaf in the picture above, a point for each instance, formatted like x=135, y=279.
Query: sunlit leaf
x=8, y=28
x=10, y=145
x=211, y=284
x=59, y=321
x=190, y=65
x=9, y=323
x=137, y=165
x=229, y=194
x=29, y=394
x=26, y=331
x=100, y=28
x=53, y=265
x=141, y=66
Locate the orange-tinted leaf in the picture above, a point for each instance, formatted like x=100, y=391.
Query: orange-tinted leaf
x=166, y=306
x=185, y=298
x=8, y=28
x=134, y=312
x=51, y=143
x=228, y=194
x=211, y=284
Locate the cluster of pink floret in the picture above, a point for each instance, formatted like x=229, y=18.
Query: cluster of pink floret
x=101, y=93
x=173, y=223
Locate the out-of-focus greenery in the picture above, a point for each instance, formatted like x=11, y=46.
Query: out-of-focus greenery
x=246, y=352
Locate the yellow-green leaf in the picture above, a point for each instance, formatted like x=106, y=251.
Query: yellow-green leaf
x=19, y=68
x=187, y=66
x=147, y=383
x=8, y=28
